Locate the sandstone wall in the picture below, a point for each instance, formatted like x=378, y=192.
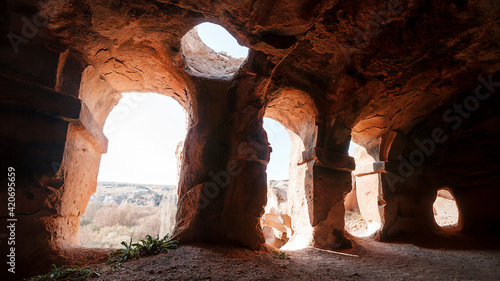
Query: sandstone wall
x=384, y=73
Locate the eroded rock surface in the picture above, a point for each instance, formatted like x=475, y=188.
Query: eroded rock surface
x=201, y=60
x=388, y=74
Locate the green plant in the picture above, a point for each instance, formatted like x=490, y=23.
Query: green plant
x=123, y=255
x=146, y=247
x=116, y=267
x=62, y=273
x=153, y=246
x=281, y=255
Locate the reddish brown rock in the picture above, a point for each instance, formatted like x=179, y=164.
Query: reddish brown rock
x=384, y=73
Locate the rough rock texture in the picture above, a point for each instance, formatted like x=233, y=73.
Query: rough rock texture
x=203, y=61
x=276, y=221
x=410, y=81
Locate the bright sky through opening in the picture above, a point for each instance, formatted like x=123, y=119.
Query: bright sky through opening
x=143, y=132
x=278, y=166
x=219, y=40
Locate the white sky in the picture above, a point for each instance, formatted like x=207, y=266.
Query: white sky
x=143, y=132
x=219, y=40
x=277, y=169
x=351, y=149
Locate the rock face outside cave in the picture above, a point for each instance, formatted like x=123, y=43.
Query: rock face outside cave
x=411, y=82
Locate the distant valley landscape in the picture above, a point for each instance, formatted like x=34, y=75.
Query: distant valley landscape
x=119, y=211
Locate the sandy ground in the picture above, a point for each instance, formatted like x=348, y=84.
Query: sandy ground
x=430, y=256
x=368, y=260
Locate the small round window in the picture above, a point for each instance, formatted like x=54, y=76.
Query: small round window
x=210, y=50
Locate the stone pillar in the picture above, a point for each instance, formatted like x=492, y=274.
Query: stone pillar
x=222, y=191
x=368, y=192
x=331, y=183
x=85, y=143
x=250, y=152
x=205, y=151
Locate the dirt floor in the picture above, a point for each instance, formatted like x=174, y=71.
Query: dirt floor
x=368, y=260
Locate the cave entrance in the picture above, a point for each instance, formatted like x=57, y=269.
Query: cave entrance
x=362, y=215
x=136, y=194
x=276, y=222
x=446, y=213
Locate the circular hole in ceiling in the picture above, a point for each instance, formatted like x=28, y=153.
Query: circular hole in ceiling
x=210, y=50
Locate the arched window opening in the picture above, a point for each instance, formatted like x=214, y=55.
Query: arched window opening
x=136, y=194
x=301, y=130
x=362, y=216
x=210, y=50
x=276, y=221
x=445, y=209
